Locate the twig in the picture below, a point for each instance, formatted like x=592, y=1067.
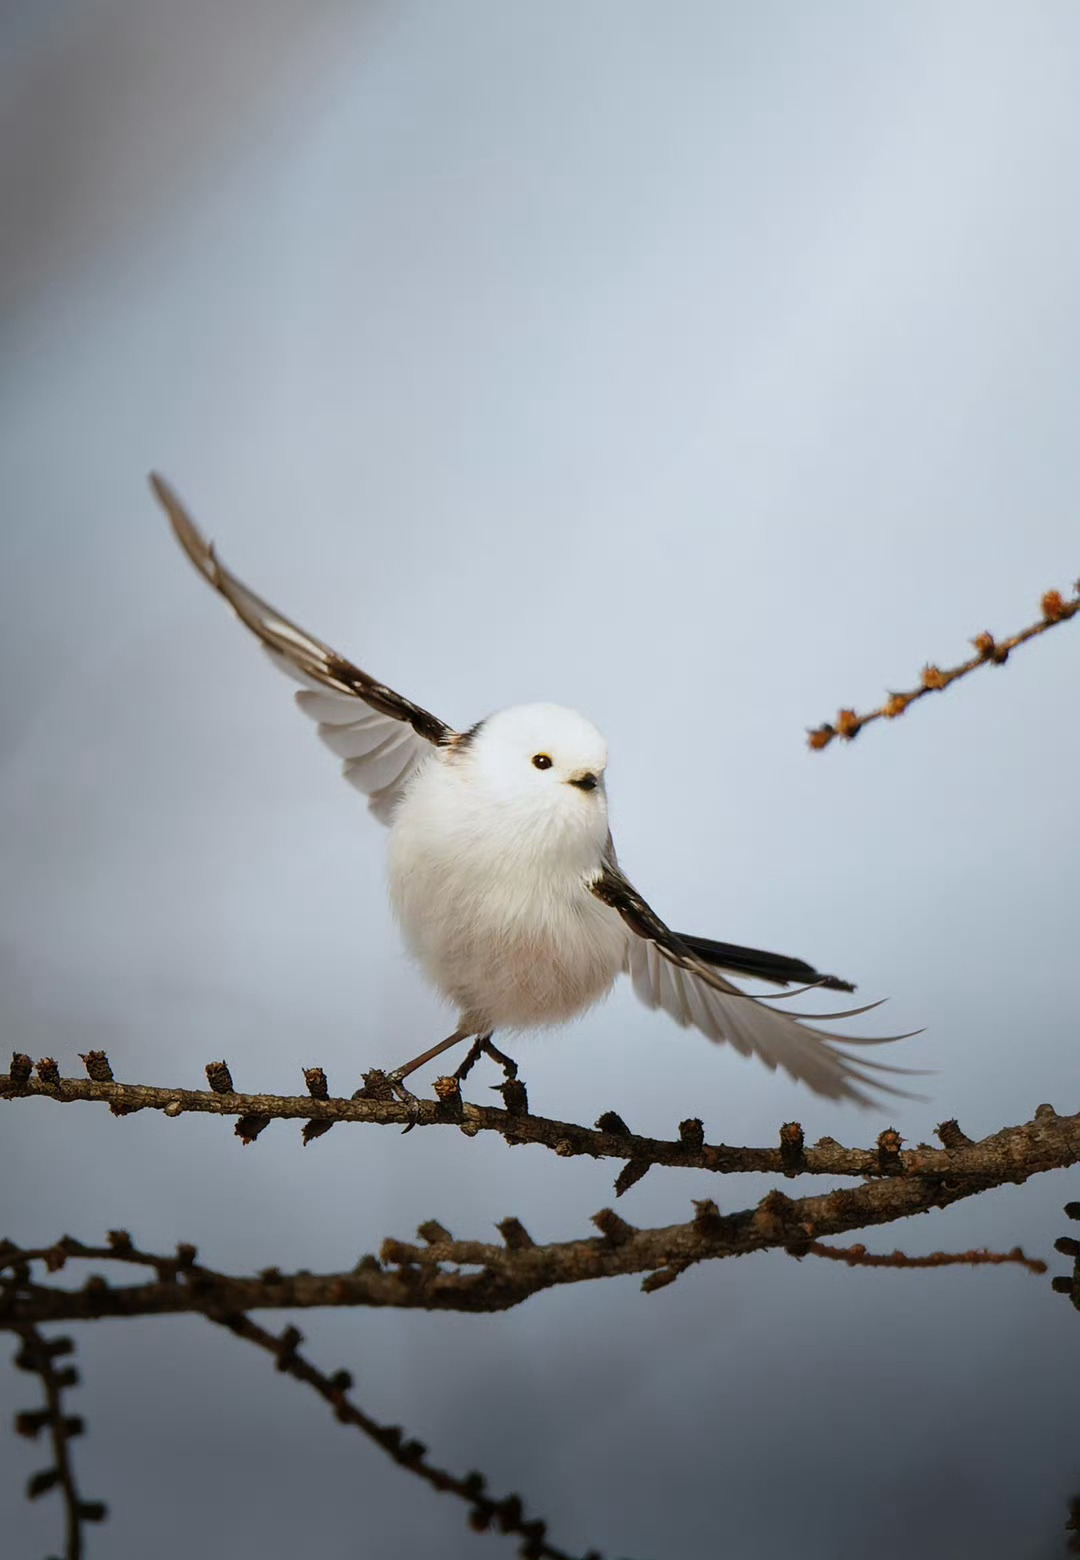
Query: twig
x=858, y=1256
x=39, y=1354
x=610, y=1139
x=988, y=651
x=506, y=1515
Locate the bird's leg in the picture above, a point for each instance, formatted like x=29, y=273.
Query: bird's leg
x=507, y=1063
x=426, y=1056
x=482, y=1046
x=379, y=1085
x=474, y=1053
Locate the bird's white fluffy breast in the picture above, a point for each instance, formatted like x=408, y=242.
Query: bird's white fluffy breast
x=490, y=894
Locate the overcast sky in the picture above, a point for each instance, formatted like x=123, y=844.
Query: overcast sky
x=702, y=366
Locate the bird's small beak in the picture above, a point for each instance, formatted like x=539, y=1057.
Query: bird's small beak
x=586, y=781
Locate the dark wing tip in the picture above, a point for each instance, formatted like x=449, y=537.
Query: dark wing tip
x=187, y=533
x=285, y=640
x=759, y=965
x=834, y=983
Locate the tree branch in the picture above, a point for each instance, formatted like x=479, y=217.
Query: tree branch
x=988, y=650
x=507, y=1515
x=443, y=1274
x=39, y=1354
x=990, y=1160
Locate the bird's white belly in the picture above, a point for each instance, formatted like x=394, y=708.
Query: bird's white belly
x=506, y=930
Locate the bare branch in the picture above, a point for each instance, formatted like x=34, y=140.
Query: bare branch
x=506, y=1515
x=610, y=1139
x=39, y=1355
x=988, y=651
x=446, y=1274
x=443, y=1274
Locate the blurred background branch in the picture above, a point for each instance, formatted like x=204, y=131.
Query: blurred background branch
x=38, y=1354
x=988, y=651
x=485, y=1513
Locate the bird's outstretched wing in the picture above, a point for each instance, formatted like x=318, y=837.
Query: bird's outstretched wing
x=380, y=735
x=668, y=973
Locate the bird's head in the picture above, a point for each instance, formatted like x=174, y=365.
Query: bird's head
x=546, y=764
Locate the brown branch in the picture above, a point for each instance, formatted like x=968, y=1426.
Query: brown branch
x=443, y=1274
x=506, y=1515
x=39, y=1354
x=610, y=1139
x=988, y=651
x=858, y=1256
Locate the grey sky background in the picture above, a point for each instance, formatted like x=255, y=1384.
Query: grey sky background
x=701, y=366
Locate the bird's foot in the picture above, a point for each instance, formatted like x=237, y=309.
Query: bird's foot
x=512, y=1089
x=483, y=1046
x=379, y=1085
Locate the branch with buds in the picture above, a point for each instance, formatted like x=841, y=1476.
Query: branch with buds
x=988, y=652
x=39, y=1355
x=444, y=1274
x=1048, y=1141
x=438, y=1272
x=485, y=1512
x=430, y=1276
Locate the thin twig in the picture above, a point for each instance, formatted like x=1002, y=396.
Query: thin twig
x=988, y=651
x=858, y=1256
x=39, y=1354
x=506, y=1515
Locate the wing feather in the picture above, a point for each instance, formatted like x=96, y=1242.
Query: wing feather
x=381, y=735
x=667, y=974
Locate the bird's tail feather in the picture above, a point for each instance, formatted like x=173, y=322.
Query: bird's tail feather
x=774, y=967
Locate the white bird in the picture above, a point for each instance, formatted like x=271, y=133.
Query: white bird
x=502, y=870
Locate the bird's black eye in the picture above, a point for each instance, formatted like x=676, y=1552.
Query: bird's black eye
x=541, y=761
